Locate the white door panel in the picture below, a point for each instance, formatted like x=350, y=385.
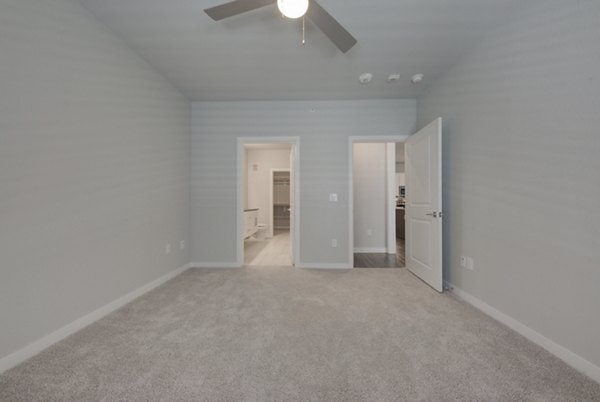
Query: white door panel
x=420, y=234
x=420, y=184
x=423, y=152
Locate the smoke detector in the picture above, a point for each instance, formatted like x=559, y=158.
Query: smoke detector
x=365, y=78
x=415, y=79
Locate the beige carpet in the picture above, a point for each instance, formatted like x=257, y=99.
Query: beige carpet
x=290, y=334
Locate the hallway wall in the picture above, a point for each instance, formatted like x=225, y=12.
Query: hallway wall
x=370, y=197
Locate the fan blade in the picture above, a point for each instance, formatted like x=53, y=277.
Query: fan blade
x=235, y=7
x=330, y=27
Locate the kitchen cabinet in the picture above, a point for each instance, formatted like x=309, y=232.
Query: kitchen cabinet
x=400, y=223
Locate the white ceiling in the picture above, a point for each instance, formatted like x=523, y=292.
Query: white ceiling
x=258, y=55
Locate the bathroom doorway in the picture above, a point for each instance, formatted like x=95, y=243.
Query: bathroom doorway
x=267, y=200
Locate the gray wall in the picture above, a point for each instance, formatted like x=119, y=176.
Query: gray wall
x=94, y=169
x=522, y=164
x=323, y=128
x=370, y=197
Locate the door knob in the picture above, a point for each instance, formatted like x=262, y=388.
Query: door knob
x=434, y=214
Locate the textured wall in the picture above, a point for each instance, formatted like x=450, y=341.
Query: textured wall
x=521, y=170
x=94, y=169
x=323, y=128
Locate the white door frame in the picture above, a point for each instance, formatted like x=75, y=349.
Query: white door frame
x=271, y=202
x=390, y=183
x=241, y=165
x=351, y=141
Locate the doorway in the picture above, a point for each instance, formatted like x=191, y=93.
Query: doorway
x=267, y=201
x=378, y=204
x=423, y=206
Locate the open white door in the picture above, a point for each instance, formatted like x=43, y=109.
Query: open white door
x=292, y=201
x=423, y=152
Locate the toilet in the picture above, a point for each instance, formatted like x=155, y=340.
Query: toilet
x=261, y=233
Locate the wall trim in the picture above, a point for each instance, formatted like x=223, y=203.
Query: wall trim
x=45, y=342
x=571, y=358
x=371, y=250
x=311, y=265
x=215, y=265
x=233, y=265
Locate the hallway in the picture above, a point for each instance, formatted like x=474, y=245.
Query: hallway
x=382, y=260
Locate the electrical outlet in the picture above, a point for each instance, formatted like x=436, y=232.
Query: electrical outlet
x=463, y=261
x=168, y=249
x=369, y=232
x=470, y=263
x=333, y=197
x=334, y=243
x=182, y=244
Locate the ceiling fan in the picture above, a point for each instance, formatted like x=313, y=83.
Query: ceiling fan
x=291, y=9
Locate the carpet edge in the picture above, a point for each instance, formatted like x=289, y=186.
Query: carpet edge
x=571, y=358
x=9, y=361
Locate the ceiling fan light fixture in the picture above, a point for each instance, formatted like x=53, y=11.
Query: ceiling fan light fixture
x=293, y=8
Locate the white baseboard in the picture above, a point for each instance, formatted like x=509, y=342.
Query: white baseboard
x=233, y=265
x=214, y=265
x=569, y=357
x=371, y=250
x=36, y=347
x=322, y=266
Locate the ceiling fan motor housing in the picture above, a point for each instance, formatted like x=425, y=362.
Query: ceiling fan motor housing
x=293, y=8
x=297, y=8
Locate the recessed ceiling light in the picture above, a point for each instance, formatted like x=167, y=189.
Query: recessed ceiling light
x=415, y=79
x=365, y=78
x=393, y=78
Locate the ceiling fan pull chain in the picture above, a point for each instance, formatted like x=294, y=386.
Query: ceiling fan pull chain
x=303, y=32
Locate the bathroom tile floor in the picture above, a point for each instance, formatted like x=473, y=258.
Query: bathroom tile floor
x=271, y=252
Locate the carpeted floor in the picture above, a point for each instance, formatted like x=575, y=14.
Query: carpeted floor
x=289, y=334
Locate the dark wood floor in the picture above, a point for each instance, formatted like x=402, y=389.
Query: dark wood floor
x=381, y=260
